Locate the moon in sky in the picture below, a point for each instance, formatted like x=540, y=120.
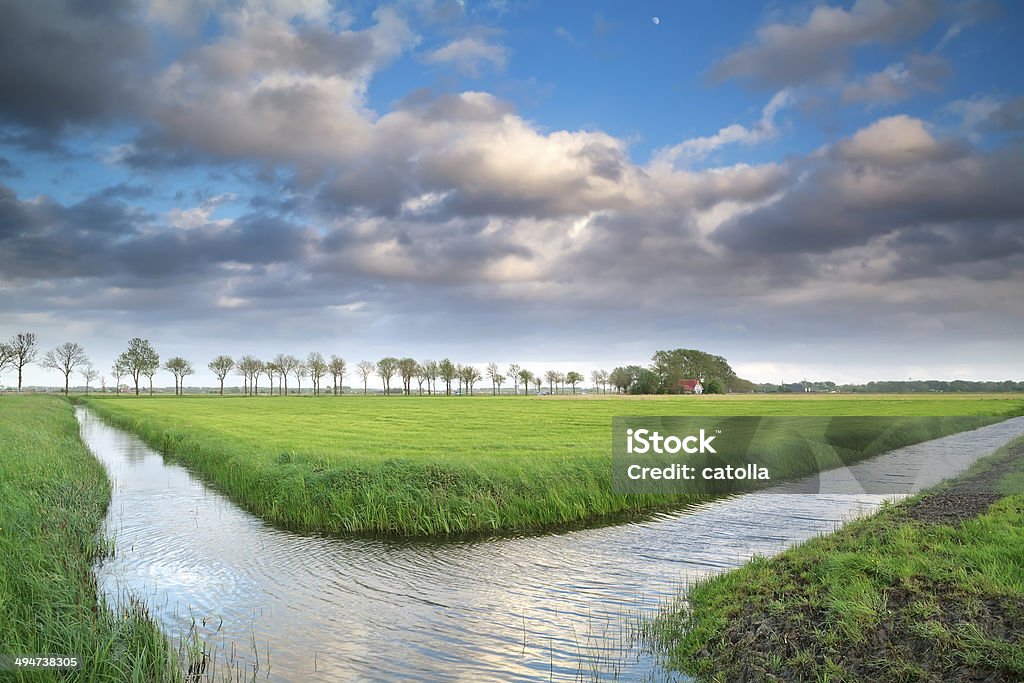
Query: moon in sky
x=656, y=21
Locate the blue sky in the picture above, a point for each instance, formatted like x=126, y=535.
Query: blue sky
x=813, y=189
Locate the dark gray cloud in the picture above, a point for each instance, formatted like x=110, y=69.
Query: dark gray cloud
x=1008, y=115
x=818, y=48
x=939, y=211
x=65, y=61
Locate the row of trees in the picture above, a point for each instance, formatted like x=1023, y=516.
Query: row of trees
x=140, y=360
x=23, y=349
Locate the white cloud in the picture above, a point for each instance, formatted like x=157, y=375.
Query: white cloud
x=468, y=55
x=699, y=148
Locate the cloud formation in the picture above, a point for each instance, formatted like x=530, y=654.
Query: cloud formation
x=818, y=49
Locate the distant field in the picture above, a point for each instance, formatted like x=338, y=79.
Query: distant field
x=435, y=465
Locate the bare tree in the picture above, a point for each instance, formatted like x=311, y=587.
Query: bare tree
x=513, y=373
x=180, y=368
x=472, y=377
x=22, y=350
x=407, y=369
x=117, y=372
x=537, y=380
x=551, y=376
x=365, y=368
x=256, y=369
x=386, y=368
x=220, y=367
x=337, y=367
x=89, y=375
x=469, y=375
x=498, y=379
x=422, y=375
x=600, y=379
x=140, y=359
x=286, y=364
x=317, y=369
x=300, y=370
x=267, y=368
x=249, y=367
x=493, y=372
x=65, y=358
x=6, y=357
x=431, y=371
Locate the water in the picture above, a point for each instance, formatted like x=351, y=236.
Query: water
x=556, y=606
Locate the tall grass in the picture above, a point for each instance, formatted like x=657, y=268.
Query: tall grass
x=437, y=466
x=53, y=498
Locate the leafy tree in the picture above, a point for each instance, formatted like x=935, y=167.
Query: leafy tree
x=140, y=359
x=386, y=368
x=180, y=368
x=220, y=367
x=573, y=378
x=65, y=358
x=620, y=379
x=714, y=386
x=406, y=370
x=537, y=379
x=365, y=369
x=89, y=375
x=446, y=369
x=643, y=381
x=679, y=364
x=525, y=376
x=337, y=368
x=317, y=369
x=20, y=351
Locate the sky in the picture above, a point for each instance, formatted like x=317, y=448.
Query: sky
x=814, y=190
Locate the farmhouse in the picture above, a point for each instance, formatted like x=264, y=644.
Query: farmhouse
x=690, y=386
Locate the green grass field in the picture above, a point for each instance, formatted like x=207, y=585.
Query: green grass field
x=931, y=589
x=456, y=465
x=53, y=498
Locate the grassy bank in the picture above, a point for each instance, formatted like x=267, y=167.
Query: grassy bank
x=53, y=498
x=435, y=465
x=931, y=589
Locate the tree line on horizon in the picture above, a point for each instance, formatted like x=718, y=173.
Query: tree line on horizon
x=664, y=375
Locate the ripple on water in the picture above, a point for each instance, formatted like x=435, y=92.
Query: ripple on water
x=511, y=608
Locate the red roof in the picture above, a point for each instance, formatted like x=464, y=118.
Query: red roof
x=689, y=384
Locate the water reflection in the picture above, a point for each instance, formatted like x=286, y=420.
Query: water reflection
x=522, y=608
